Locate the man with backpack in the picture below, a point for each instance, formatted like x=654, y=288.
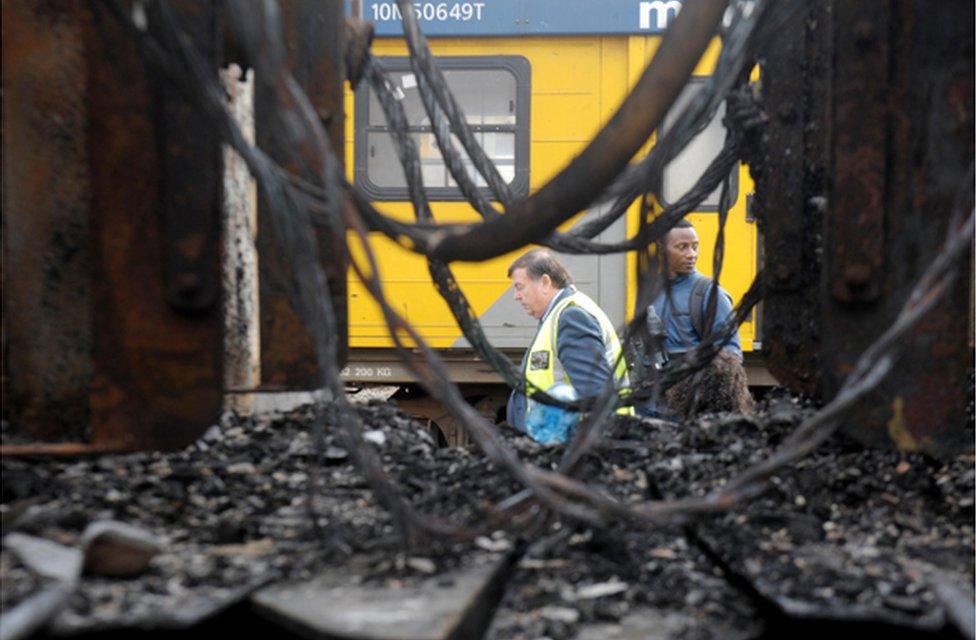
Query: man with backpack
x=681, y=307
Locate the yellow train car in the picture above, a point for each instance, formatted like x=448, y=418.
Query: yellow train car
x=536, y=80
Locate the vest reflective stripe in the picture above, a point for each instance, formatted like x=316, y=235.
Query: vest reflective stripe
x=542, y=366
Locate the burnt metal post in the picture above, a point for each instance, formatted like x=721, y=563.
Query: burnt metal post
x=887, y=144
x=112, y=199
x=47, y=315
x=791, y=190
x=313, y=37
x=110, y=236
x=903, y=147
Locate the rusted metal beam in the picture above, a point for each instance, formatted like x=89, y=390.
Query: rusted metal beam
x=855, y=229
x=190, y=177
x=47, y=321
x=313, y=36
x=61, y=449
x=870, y=141
x=111, y=207
x=155, y=170
x=909, y=71
x=791, y=191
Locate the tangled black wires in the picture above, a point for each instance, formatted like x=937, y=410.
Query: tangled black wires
x=317, y=194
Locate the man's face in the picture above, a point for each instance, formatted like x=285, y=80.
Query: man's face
x=682, y=251
x=533, y=295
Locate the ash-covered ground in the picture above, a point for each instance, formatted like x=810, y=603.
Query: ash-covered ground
x=847, y=533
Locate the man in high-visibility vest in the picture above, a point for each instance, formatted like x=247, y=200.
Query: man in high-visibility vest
x=575, y=343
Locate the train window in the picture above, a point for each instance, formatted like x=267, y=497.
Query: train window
x=494, y=96
x=683, y=172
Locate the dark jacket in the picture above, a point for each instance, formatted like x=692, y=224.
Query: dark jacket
x=579, y=345
x=674, y=313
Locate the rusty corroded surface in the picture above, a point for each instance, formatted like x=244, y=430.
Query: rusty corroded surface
x=312, y=35
x=111, y=205
x=929, y=129
x=869, y=140
x=46, y=243
x=189, y=178
x=790, y=173
x=157, y=366
x=855, y=229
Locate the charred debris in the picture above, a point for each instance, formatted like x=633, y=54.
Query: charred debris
x=849, y=538
x=844, y=503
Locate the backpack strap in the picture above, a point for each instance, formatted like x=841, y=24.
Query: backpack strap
x=696, y=303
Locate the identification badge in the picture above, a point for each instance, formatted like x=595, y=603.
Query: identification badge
x=539, y=360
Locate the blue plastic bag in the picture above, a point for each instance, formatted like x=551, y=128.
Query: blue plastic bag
x=552, y=425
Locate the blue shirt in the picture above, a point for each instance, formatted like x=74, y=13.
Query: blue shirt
x=675, y=316
x=580, y=349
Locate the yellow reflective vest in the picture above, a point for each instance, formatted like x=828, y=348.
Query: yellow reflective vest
x=542, y=366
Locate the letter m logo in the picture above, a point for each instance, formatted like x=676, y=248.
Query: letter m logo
x=656, y=15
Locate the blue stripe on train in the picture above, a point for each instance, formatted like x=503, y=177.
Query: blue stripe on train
x=459, y=18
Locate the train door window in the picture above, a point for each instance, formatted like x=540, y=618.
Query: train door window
x=683, y=172
x=494, y=96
